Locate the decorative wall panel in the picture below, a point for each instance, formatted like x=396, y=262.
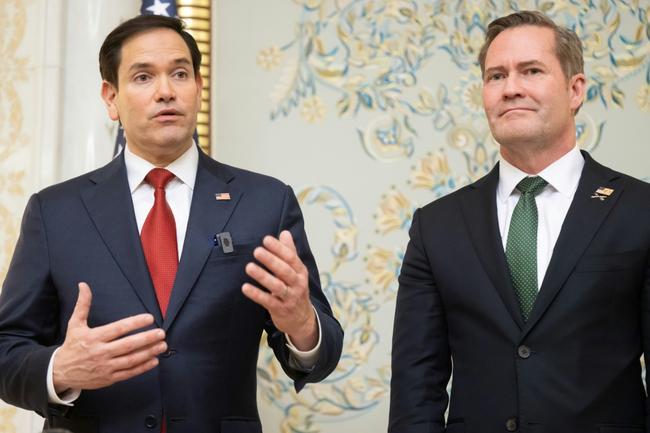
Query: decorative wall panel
x=18, y=46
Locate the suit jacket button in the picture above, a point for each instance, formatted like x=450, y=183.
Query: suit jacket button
x=150, y=421
x=168, y=353
x=523, y=352
x=511, y=424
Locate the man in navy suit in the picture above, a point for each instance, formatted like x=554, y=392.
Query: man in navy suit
x=532, y=283
x=123, y=309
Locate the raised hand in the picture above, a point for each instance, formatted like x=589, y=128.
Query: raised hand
x=287, y=282
x=92, y=358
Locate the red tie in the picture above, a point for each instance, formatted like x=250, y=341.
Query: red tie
x=158, y=238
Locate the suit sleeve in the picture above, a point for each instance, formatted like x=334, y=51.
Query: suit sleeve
x=28, y=317
x=331, y=332
x=421, y=362
x=645, y=320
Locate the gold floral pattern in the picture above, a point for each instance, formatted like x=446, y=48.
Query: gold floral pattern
x=383, y=266
x=13, y=142
x=395, y=212
x=270, y=58
x=11, y=185
x=433, y=173
x=473, y=97
x=643, y=98
x=13, y=72
x=313, y=109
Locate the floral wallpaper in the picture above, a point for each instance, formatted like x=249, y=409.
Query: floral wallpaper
x=370, y=61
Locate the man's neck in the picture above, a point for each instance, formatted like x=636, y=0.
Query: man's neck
x=532, y=159
x=161, y=159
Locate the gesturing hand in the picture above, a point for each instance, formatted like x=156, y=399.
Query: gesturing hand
x=287, y=282
x=92, y=358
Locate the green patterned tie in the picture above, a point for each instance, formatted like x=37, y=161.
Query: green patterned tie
x=521, y=247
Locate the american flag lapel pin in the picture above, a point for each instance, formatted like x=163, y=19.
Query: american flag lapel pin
x=222, y=196
x=602, y=193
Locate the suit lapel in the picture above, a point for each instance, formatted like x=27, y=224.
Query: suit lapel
x=109, y=204
x=208, y=216
x=585, y=216
x=480, y=215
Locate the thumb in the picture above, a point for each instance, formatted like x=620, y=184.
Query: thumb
x=82, y=308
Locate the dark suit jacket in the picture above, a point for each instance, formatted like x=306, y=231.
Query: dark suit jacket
x=573, y=367
x=85, y=230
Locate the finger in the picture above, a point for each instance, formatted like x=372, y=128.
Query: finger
x=82, y=307
x=139, y=356
x=278, y=248
x=266, y=279
x=287, y=239
x=285, y=252
x=137, y=370
x=122, y=327
x=260, y=297
x=279, y=272
x=134, y=343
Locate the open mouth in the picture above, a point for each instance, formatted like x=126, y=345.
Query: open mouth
x=168, y=114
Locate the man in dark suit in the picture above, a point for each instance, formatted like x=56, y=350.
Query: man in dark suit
x=532, y=283
x=163, y=243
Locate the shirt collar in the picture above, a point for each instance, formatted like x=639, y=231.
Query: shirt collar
x=184, y=167
x=563, y=175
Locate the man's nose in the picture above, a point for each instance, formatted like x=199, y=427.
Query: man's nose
x=165, y=90
x=512, y=87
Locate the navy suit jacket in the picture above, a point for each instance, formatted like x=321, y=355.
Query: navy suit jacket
x=573, y=367
x=85, y=230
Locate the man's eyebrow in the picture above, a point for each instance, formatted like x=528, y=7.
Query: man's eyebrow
x=182, y=61
x=146, y=65
x=520, y=65
x=494, y=69
x=527, y=63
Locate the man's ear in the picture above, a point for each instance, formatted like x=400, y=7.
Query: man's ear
x=109, y=94
x=199, y=85
x=577, y=89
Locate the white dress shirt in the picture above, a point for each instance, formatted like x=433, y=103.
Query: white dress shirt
x=178, y=193
x=552, y=202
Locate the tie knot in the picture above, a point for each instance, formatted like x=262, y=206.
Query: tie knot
x=159, y=177
x=531, y=185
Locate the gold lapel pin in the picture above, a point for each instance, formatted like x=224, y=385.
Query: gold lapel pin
x=602, y=193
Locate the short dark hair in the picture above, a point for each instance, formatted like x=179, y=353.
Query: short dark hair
x=110, y=54
x=568, y=47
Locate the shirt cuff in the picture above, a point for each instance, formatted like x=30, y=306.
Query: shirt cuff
x=68, y=397
x=304, y=360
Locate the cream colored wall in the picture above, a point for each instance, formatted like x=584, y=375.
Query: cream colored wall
x=289, y=110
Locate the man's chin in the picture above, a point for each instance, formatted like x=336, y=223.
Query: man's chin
x=173, y=141
x=514, y=136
